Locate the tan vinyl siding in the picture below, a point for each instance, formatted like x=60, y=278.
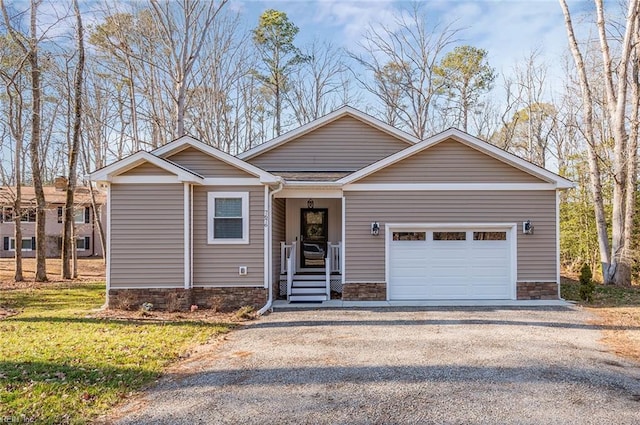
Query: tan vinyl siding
x=450, y=162
x=147, y=235
x=206, y=165
x=217, y=265
x=345, y=144
x=147, y=169
x=278, y=235
x=365, y=256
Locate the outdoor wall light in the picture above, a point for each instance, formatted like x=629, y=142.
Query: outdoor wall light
x=310, y=204
x=527, y=227
x=375, y=228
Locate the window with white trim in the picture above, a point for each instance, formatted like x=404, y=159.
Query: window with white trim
x=28, y=215
x=27, y=244
x=79, y=215
x=228, y=218
x=7, y=214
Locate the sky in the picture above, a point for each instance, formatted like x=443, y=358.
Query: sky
x=508, y=29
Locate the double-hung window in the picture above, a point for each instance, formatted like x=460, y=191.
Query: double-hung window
x=228, y=218
x=28, y=244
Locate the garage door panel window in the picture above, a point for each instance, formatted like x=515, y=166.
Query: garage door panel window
x=489, y=236
x=449, y=236
x=409, y=236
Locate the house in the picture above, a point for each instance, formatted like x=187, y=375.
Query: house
x=87, y=234
x=345, y=203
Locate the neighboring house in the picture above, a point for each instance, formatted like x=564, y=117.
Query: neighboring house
x=345, y=203
x=87, y=234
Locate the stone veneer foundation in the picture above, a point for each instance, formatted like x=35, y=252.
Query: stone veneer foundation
x=364, y=292
x=537, y=291
x=180, y=299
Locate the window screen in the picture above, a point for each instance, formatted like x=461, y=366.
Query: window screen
x=227, y=220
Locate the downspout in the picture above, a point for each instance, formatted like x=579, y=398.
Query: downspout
x=269, y=252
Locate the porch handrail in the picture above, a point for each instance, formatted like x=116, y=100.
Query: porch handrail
x=335, y=263
x=284, y=256
x=291, y=268
x=327, y=271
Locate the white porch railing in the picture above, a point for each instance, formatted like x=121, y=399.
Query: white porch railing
x=334, y=257
x=332, y=264
x=285, y=251
x=327, y=272
x=291, y=267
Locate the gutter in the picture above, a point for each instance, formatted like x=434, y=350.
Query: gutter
x=269, y=257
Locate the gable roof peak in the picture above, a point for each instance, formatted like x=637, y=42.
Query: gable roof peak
x=471, y=141
x=341, y=112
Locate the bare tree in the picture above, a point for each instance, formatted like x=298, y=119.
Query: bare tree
x=183, y=37
x=615, y=256
x=215, y=113
x=13, y=77
x=68, y=231
x=29, y=44
x=411, y=51
x=314, y=86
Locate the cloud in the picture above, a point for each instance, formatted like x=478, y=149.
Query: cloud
x=352, y=19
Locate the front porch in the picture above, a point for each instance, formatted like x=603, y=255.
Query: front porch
x=307, y=245
x=305, y=285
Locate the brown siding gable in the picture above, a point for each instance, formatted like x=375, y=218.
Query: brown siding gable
x=482, y=150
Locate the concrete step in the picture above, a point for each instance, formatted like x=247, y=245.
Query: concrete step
x=319, y=276
x=307, y=291
x=307, y=298
x=308, y=284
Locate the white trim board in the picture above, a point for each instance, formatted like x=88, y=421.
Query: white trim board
x=116, y=288
x=110, y=171
x=147, y=180
x=322, y=121
x=558, y=243
x=185, y=142
x=309, y=193
x=266, y=237
x=344, y=240
x=447, y=186
x=470, y=141
x=211, y=197
x=248, y=285
x=186, y=234
x=231, y=181
x=108, y=241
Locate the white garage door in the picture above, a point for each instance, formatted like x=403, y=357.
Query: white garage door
x=452, y=264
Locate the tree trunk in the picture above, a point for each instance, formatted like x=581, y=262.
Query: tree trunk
x=18, y=276
x=616, y=103
x=98, y=222
x=595, y=185
x=34, y=148
x=632, y=165
x=68, y=231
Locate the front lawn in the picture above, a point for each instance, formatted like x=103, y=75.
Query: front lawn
x=618, y=312
x=61, y=364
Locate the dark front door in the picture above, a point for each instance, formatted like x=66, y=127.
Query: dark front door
x=313, y=237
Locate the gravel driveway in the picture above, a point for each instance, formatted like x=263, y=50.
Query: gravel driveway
x=402, y=366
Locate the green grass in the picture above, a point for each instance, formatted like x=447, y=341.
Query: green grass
x=59, y=366
x=603, y=296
